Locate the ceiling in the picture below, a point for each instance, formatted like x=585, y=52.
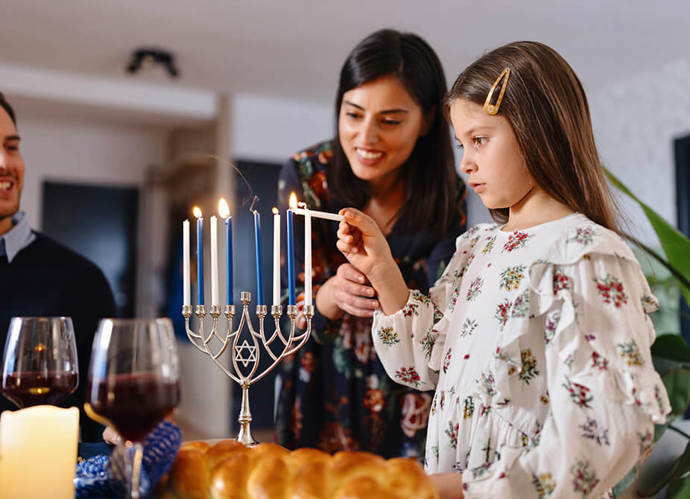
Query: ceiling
x=294, y=48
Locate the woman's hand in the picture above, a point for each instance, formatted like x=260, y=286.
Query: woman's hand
x=449, y=485
x=347, y=291
x=363, y=244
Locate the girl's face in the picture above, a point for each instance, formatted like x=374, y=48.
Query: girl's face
x=379, y=124
x=491, y=156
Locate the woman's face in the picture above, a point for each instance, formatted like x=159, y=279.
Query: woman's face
x=379, y=124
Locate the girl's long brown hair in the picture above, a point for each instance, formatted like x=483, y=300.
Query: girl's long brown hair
x=547, y=108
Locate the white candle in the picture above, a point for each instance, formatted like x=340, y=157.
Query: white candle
x=38, y=452
x=320, y=214
x=307, y=257
x=186, y=280
x=214, y=261
x=276, y=256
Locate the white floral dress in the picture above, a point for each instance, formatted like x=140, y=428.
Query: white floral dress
x=538, y=344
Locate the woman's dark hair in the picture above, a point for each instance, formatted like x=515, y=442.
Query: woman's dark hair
x=429, y=175
x=6, y=106
x=546, y=106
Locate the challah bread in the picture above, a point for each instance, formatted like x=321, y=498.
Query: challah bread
x=229, y=469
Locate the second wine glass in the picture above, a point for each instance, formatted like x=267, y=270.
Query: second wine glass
x=133, y=382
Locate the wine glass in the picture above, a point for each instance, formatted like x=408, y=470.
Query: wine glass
x=133, y=382
x=40, y=363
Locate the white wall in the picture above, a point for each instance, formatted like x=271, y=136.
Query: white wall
x=272, y=129
x=635, y=122
x=58, y=148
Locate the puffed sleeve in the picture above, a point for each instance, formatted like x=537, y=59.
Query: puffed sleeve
x=604, y=392
x=410, y=342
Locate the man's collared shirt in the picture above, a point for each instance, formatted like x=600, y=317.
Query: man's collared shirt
x=17, y=238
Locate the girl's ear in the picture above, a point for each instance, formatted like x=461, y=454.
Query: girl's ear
x=427, y=121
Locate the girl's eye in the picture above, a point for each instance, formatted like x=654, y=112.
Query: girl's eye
x=352, y=115
x=479, y=141
x=391, y=122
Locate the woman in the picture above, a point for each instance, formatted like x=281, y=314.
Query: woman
x=390, y=154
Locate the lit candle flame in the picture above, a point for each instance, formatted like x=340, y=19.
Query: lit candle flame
x=275, y=210
x=197, y=211
x=293, y=201
x=223, y=208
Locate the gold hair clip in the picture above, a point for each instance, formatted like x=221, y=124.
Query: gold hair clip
x=493, y=108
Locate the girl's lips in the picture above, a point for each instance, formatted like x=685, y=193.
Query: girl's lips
x=478, y=187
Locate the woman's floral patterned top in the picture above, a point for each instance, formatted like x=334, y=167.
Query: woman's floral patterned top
x=334, y=393
x=540, y=360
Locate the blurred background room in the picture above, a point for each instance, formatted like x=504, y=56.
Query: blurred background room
x=119, y=144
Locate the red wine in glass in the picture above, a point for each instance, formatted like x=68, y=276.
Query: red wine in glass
x=134, y=403
x=39, y=364
x=28, y=388
x=133, y=383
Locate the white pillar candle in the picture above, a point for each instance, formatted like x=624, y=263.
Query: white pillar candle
x=186, y=281
x=307, y=257
x=276, y=256
x=38, y=452
x=214, y=261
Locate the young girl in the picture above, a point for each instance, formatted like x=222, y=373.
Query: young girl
x=537, y=337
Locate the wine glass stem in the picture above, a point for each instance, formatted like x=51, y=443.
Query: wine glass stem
x=135, y=454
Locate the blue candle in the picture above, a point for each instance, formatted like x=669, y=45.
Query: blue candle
x=291, y=257
x=228, y=242
x=199, y=257
x=257, y=244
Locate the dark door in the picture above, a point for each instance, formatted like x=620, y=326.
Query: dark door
x=682, y=153
x=99, y=223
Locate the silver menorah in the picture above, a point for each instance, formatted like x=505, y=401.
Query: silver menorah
x=248, y=353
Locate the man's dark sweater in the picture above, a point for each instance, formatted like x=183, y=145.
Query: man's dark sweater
x=48, y=279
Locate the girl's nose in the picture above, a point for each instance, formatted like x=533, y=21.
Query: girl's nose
x=467, y=164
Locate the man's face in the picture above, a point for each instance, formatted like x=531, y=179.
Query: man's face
x=11, y=171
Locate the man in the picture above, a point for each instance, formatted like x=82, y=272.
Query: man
x=39, y=277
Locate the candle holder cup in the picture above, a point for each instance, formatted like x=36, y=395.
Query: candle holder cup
x=247, y=353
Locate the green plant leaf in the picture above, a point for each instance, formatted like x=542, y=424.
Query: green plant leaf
x=675, y=245
x=677, y=383
x=671, y=346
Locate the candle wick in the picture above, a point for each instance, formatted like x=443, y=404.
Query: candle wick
x=254, y=200
x=302, y=204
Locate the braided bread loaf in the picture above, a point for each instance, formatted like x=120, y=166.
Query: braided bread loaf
x=229, y=469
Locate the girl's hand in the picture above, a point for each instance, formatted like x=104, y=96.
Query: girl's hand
x=347, y=291
x=449, y=485
x=363, y=244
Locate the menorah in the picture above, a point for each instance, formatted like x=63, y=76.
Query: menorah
x=248, y=353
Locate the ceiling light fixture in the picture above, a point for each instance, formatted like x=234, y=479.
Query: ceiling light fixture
x=147, y=58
